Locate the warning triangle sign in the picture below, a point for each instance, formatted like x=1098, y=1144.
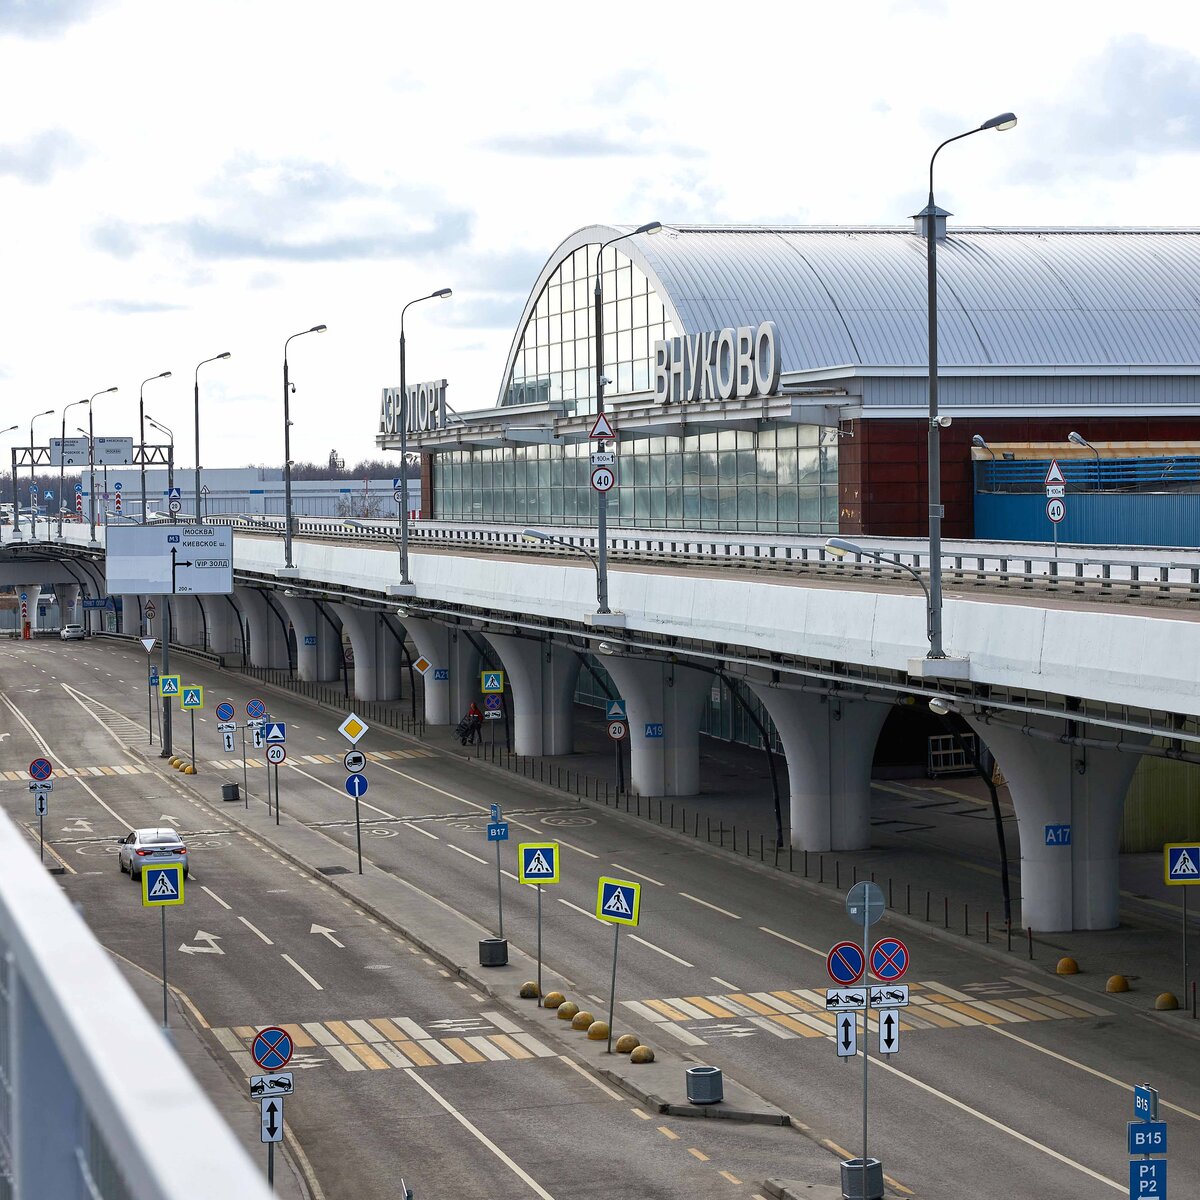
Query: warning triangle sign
x=1055, y=475
x=1184, y=866
x=163, y=888
x=538, y=865
x=601, y=429
x=617, y=904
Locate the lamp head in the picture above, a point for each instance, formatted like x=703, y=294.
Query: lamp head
x=164, y=375
x=318, y=329
x=939, y=706
x=1078, y=439
x=443, y=294
x=48, y=413
x=650, y=227
x=977, y=440
x=1001, y=122
x=606, y=648
x=839, y=547
x=224, y=355
x=402, y=610
x=533, y=535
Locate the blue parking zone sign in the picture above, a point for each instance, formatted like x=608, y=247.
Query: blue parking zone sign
x=618, y=901
x=537, y=862
x=162, y=885
x=498, y=831
x=1148, y=1179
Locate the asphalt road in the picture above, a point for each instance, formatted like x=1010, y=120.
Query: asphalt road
x=1004, y=1071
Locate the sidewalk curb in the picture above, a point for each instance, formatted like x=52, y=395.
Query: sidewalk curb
x=790, y=1189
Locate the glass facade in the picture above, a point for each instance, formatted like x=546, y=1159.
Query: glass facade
x=556, y=357
x=781, y=479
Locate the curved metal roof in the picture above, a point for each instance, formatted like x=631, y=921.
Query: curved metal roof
x=1083, y=298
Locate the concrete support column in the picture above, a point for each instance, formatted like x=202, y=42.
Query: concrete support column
x=829, y=744
x=670, y=697
x=268, y=643
x=68, y=603
x=1064, y=884
x=187, y=622
x=542, y=676
x=223, y=622
x=318, y=639
x=32, y=593
x=376, y=653
x=131, y=615
x=432, y=640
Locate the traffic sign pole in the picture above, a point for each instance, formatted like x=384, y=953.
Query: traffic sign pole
x=245, y=783
x=192, y=717
x=539, y=943
x=612, y=989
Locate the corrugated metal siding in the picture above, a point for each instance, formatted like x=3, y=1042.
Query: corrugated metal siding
x=1094, y=519
x=1160, y=806
x=1029, y=391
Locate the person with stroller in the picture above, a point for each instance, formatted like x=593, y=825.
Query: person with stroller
x=470, y=728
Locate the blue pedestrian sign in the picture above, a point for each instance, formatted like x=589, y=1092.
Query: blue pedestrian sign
x=356, y=785
x=537, y=862
x=1058, y=835
x=1148, y=1179
x=491, y=681
x=615, y=711
x=654, y=729
x=1181, y=862
x=1147, y=1137
x=497, y=831
x=618, y=901
x=193, y=697
x=276, y=731
x=168, y=685
x=162, y=886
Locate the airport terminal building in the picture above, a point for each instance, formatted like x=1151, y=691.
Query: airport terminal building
x=774, y=380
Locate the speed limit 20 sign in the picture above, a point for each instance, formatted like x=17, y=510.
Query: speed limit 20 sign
x=617, y=730
x=603, y=479
x=276, y=753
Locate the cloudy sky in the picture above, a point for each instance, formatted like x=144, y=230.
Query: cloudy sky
x=179, y=179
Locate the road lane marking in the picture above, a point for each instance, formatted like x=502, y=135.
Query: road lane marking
x=293, y=963
x=474, y=1130
x=697, y=1154
x=783, y=937
x=681, y=1034
x=732, y=1178
x=714, y=907
x=570, y=1062
x=415, y=826
x=668, y=1133
x=460, y=850
x=665, y=953
x=579, y=910
x=733, y=987
x=631, y=871
x=253, y=928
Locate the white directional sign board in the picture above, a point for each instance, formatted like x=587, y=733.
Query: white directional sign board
x=69, y=452
x=165, y=560
x=114, y=452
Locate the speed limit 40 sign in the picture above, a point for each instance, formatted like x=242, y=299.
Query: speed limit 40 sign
x=603, y=479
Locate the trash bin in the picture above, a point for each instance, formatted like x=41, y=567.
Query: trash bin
x=230, y=791
x=705, y=1085
x=852, y=1180
x=493, y=952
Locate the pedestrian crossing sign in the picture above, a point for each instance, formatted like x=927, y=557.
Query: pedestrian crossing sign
x=192, y=697
x=162, y=885
x=1181, y=862
x=491, y=681
x=168, y=685
x=537, y=862
x=618, y=901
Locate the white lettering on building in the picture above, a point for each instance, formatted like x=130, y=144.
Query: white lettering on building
x=426, y=408
x=721, y=365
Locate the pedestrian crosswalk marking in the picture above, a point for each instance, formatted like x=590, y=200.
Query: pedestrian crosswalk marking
x=381, y=1043
x=89, y=772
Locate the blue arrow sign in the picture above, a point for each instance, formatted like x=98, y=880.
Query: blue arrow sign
x=356, y=785
x=1148, y=1179
x=78, y=488
x=498, y=831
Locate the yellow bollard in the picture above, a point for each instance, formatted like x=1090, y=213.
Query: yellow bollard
x=1166, y=1002
x=642, y=1054
x=567, y=1009
x=1067, y=966
x=553, y=1000
x=581, y=1020
x=529, y=990
x=1117, y=983
x=598, y=1031
x=626, y=1043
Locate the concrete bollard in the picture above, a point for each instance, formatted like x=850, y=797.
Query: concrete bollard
x=566, y=1010
x=597, y=1031
x=1117, y=983
x=1067, y=966
x=582, y=1019
x=529, y=990
x=553, y=1000
x=641, y=1054
x=626, y=1043
x=1166, y=1002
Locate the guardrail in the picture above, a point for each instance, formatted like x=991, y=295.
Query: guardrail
x=1096, y=576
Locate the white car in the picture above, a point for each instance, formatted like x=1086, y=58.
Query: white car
x=71, y=632
x=153, y=846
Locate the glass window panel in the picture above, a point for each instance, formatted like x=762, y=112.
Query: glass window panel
x=708, y=467
x=808, y=464
x=690, y=463
x=582, y=293
x=636, y=469
x=625, y=378
x=675, y=468
x=568, y=326
x=747, y=463
x=766, y=465
x=553, y=299
x=691, y=504
x=556, y=356
x=624, y=283
x=709, y=513
x=658, y=470
x=727, y=466
x=641, y=510
x=787, y=474
x=658, y=506
x=766, y=507
x=637, y=308
x=624, y=345
x=747, y=507
x=809, y=507
x=727, y=504
x=567, y=355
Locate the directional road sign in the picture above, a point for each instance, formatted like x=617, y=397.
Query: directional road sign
x=617, y=730
x=272, y=1048
x=1181, y=862
x=277, y=753
x=165, y=560
x=845, y=963
x=1148, y=1179
x=275, y=731
x=889, y=1032
x=41, y=806
x=618, y=901
x=497, y=831
x=353, y=728
x=40, y=768
x=537, y=862
x=889, y=995
x=255, y=709
x=889, y=959
x=227, y=740
x=162, y=885
x=356, y=785
x=354, y=761
x=225, y=711
x=847, y=1035
x=1147, y=1137
x=844, y=999
x=615, y=710
x=272, y=1121
x=491, y=681
x=192, y=697
x=282, y=1084
x=168, y=685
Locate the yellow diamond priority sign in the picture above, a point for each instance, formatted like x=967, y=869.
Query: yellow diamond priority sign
x=352, y=728
x=422, y=665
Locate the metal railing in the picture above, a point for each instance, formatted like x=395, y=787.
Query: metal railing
x=94, y=1102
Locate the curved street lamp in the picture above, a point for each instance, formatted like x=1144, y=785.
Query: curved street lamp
x=33, y=481
x=840, y=547
x=142, y=431
x=196, y=393
x=170, y=461
x=92, y=459
x=932, y=214
x=13, y=429
x=62, y=461
x=537, y=535
x=440, y=294
x=1077, y=439
x=287, y=451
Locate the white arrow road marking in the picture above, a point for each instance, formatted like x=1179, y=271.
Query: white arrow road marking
x=200, y=936
x=327, y=933
x=169, y=820
x=305, y=1062
x=4, y=735
x=728, y=1031
x=79, y=825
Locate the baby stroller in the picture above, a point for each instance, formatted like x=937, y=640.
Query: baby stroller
x=462, y=730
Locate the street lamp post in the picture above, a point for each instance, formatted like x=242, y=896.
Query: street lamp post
x=142, y=431
x=62, y=456
x=840, y=547
x=537, y=535
x=33, y=480
x=215, y=358
x=287, y=452
x=932, y=213
x=1077, y=439
x=16, y=505
x=440, y=294
x=92, y=457
x=650, y=227
x=170, y=463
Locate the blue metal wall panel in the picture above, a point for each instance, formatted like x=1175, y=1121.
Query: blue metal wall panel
x=1136, y=519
